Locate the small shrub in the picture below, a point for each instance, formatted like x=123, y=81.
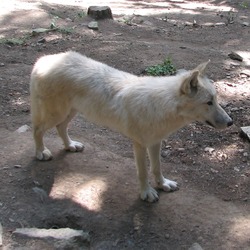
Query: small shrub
x=163, y=69
x=81, y=14
x=13, y=41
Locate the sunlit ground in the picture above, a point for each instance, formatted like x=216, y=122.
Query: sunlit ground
x=119, y=7
x=87, y=194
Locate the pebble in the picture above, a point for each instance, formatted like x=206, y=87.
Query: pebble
x=245, y=131
x=181, y=149
x=245, y=154
x=222, y=156
x=220, y=24
x=17, y=166
x=235, y=64
x=42, y=40
x=148, y=23
x=234, y=109
x=235, y=56
x=2, y=64
x=236, y=169
x=245, y=72
x=209, y=149
x=167, y=236
x=23, y=129
x=165, y=153
x=195, y=246
x=93, y=25
x=245, y=24
x=214, y=171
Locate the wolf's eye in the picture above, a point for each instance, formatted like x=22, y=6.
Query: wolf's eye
x=210, y=103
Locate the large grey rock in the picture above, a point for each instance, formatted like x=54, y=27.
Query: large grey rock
x=63, y=238
x=93, y=25
x=245, y=131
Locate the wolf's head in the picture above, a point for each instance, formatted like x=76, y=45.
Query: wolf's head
x=199, y=99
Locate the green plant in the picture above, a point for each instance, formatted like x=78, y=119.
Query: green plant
x=13, y=41
x=81, y=14
x=163, y=69
x=55, y=27
x=65, y=30
x=244, y=5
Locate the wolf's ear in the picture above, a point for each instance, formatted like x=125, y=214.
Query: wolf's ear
x=202, y=67
x=190, y=84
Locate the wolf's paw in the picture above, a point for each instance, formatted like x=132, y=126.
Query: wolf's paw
x=44, y=155
x=149, y=194
x=168, y=185
x=75, y=146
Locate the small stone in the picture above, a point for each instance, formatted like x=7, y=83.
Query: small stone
x=234, y=109
x=245, y=132
x=245, y=72
x=245, y=154
x=165, y=153
x=23, y=129
x=93, y=25
x=195, y=246
x=236, y=169
x=41, y=40
x=37, y=183
x=219, y=24
x=245, y=24
x=181, y=149
x=209, y=24
x=222, y=156
x=235, y=64
x=148, y=23
x=167, y=236
x=209, y=149
x=235, y=56
x=214, y=171
x=17, y=166
x=2, y=64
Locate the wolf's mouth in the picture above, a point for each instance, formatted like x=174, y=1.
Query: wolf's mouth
x=210, y=124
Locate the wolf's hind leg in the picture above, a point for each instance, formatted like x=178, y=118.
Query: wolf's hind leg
x=62, y=129
x=163, y=183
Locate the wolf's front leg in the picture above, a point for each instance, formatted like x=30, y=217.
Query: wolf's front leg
x=147, y=192
x=163, y=183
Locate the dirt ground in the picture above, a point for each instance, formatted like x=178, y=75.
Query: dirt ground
x=97, y=190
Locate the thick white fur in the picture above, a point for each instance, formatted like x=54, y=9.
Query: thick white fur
x=146, y=109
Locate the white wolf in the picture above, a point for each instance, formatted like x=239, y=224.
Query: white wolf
x=145, y=109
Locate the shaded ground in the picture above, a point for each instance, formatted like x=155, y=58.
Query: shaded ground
x=97, y=190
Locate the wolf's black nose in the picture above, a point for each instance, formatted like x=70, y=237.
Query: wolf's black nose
x=230, y=123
